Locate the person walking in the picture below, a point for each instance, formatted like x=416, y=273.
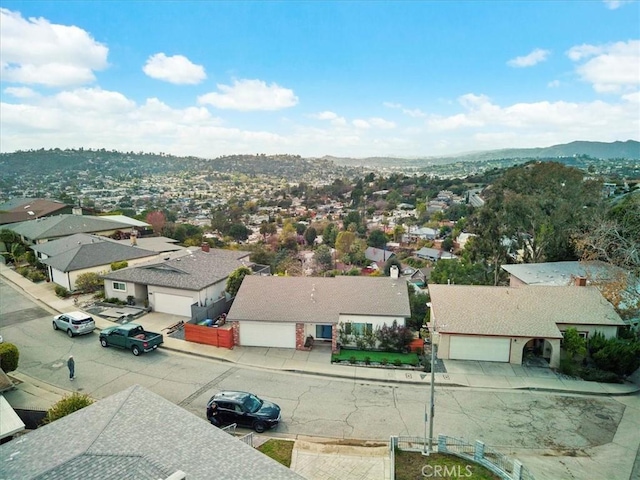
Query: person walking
x=72, y=368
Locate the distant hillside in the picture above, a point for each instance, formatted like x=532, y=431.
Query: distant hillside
x=629, y=150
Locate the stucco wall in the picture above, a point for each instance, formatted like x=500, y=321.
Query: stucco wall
x=608, y=331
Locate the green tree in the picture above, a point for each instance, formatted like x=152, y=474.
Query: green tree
x=459, y=272
x=344, y=241
x=234, y=280
x=573, y=343
x=9, y=357
x=310, y=235
x=239, y=232
x=323, y=257
x=377, y=239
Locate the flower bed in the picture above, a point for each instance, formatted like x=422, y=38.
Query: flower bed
x=368, y=357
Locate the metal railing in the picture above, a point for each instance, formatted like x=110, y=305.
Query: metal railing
x=230, y=429
x=502, y=465
x=248, y=439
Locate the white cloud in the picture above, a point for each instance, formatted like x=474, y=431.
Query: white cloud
x=615, y=4
x=553, y=84
x=609, y=68
x=359, y=123
x=246, y=95
x=35, y=51
x=536, y=56
x=20, y=92
x=176, y=69
x=333, y=117
x=381, y=123
x=414, y=113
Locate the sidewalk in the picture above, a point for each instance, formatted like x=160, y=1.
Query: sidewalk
x=317, y=362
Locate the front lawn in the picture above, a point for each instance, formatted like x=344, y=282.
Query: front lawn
x=376, y=357
x=279, y=450
x=412, y=465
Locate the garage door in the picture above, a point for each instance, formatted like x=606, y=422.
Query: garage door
x=173, y=304
x=267, y=334
x=491, y=349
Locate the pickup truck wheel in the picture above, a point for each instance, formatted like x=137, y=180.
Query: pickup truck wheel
x=259, y=427
x=103, y=342
x=55, y=327
x=70, y=333
x=135, y=350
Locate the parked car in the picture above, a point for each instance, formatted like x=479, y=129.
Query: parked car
x=243, y=408
x=74, y=323
x=131, y=336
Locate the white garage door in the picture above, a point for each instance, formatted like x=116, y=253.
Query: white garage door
x=173, y=304
x=491, y=349
x=267, y=334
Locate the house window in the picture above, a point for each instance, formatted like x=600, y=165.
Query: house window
x=358, y=328
x=120, y=286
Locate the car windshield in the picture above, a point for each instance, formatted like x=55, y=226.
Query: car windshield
x=252, y=404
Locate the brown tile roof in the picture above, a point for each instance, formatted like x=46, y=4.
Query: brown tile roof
x=318, y=299
x=524, y=311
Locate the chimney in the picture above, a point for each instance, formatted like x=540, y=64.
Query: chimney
x=205, y=247
x=394, y=272
x=581, y=281
x=76, y=210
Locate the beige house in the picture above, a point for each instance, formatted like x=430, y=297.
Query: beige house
x=500, y=323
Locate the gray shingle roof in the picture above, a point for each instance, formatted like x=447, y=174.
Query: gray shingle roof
x=134, y=434
x=188, y=269
x=518, y=311
x=560, y=273
x=80, y=251
x=378, y=254
x=318, y=299
x=64, y=225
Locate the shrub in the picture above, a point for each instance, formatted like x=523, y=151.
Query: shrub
x=24, y=271
x=568, y=367
x=61, y=291
x=619, y=356
x=9, y=356
x=367, y=360
x=119, y=265
x=397, y=362
x=427, y=366
x=596, y=375
x=68, y=404
x=89, y=282
x=361, y=343
x=394, y=337
x=352, y=359
x=384, y=361
x=37, y=276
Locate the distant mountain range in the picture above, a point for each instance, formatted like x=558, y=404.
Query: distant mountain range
x=602, y=150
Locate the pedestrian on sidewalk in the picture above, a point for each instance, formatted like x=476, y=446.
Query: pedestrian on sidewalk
x=72, y=368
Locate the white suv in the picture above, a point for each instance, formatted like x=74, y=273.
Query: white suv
x=74, y=323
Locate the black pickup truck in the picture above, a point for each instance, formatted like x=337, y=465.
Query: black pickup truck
x=130, y=336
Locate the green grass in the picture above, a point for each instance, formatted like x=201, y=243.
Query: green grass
x=361, y=355
x=412, y=465
x=279, y=450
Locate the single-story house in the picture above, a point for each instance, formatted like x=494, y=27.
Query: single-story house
x=46, y=229
x=69, y=257
x=421, y=233
x=595, y=273
x=284, y=311
x=498, y=323
x=135, y=434
x=23, y=209
x=378, y=255
x=434, y=254
x=156, y=244
x=178, y=280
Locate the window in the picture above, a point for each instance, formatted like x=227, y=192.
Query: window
x=120, y=286
x=358, y=328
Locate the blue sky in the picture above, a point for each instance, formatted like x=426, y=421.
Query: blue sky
x=314, y=78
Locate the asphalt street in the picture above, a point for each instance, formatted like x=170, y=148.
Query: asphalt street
x=536, y=426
